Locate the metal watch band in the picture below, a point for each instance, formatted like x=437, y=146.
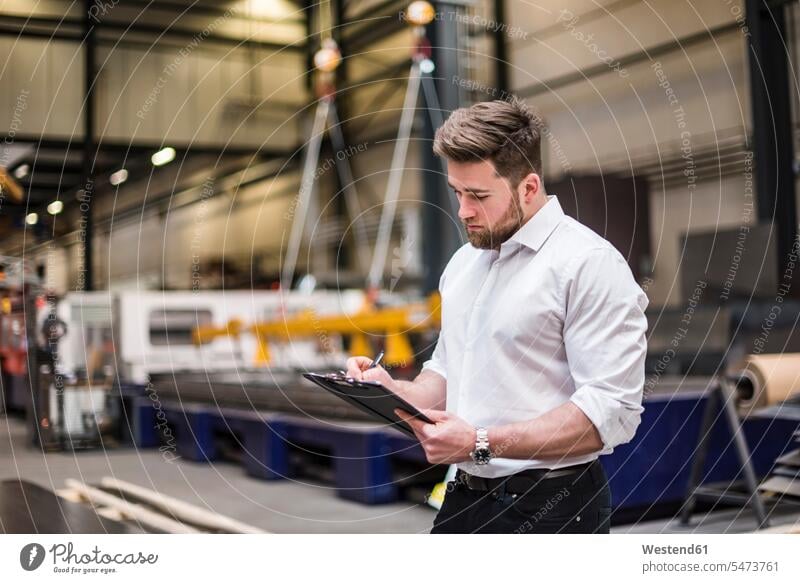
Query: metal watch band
x=482, y=438
x=482, y=453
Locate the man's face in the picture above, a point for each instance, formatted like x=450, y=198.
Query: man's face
x=489, y=208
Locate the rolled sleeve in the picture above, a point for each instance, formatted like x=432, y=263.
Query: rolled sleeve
x=605, y=339
x=438, y=361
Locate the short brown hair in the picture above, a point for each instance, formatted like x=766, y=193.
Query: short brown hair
x=506, y=132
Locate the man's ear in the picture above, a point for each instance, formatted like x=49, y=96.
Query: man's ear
x=529, y=187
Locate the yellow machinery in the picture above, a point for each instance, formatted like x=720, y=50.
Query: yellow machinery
x=394, y=324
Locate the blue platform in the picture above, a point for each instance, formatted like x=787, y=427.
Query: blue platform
x=654, y=467
x=361, y=456
x=651, y=470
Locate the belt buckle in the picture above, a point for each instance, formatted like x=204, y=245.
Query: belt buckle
x=474, y=482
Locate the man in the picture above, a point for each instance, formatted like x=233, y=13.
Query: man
x=539, y=366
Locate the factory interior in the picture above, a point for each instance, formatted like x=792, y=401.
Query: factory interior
x=200, y=201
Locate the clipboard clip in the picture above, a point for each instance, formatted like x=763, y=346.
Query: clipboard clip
x=340, y=376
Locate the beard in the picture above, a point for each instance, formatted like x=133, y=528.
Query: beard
x=506, y=226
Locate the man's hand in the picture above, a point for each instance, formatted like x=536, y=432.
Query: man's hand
x=427, y=391
x=448, y=440
x=358, y=369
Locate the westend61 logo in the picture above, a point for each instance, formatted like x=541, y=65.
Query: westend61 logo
x=66, y=560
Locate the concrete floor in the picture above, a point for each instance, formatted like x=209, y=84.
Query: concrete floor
x=719, y=522
x=728, y=521
x=281, y=506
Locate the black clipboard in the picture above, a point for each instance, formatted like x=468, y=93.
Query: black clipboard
x=371, y=397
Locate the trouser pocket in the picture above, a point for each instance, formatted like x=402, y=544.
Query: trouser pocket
x=570, y=504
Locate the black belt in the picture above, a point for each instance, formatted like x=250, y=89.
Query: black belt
x=520, y=482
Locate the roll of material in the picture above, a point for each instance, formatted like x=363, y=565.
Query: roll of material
x=767, y=379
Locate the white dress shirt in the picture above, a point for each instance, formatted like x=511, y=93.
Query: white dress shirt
x=554, y=316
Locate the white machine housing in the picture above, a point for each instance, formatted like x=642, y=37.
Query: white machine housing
x=144, y=332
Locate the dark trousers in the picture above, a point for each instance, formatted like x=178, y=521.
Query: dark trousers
x=578, y=503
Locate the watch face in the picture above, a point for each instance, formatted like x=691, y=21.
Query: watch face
x=482, y=455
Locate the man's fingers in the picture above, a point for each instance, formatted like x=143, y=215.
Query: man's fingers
x=373, y=374
x=356, y=365
x=411, y=423
x=434, y=414
x=416, y=424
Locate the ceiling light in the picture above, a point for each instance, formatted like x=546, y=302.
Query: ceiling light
x=119, y=177
x=55, y=207
x=420, y=13
x=163, y=156
x=22, y=171
x=32, y=219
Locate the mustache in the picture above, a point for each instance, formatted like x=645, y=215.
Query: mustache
x=489, y=228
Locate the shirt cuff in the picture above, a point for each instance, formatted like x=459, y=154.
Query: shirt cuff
x=615, y=422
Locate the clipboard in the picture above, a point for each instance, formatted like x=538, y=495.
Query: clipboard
x=371, y=397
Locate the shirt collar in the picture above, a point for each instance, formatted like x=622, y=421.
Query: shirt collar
x=535, y=232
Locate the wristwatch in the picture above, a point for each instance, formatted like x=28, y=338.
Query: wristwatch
x=482, y=453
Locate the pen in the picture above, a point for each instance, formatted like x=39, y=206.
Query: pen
x=377, y=360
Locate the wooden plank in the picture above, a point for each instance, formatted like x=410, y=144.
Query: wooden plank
x=26, y=508
x=790, y=459
x=134, y=512
x=181, y=510
x=781, y=485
